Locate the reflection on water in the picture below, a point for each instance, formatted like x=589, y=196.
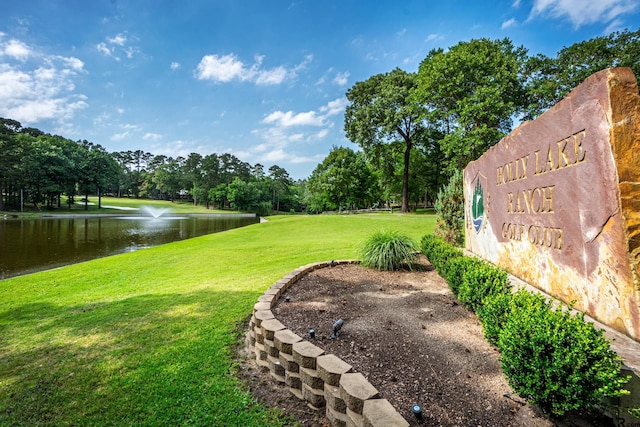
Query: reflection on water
x=29, y=245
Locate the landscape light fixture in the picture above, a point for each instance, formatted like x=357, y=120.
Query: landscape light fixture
x=417, y=411
x=287, y=298
x=312, y=333
x=336, y=328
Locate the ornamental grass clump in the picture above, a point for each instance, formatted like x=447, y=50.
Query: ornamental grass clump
x=388, y=250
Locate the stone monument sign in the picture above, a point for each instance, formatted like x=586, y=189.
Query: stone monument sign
x=557, y=201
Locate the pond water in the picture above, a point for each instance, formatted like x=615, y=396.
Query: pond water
x=30, y=245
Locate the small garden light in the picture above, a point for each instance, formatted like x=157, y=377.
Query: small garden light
x=417, y=411
x=287, y=298
x=336, y=328
x=312, y=333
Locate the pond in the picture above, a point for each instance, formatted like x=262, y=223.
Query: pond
x=30, y=245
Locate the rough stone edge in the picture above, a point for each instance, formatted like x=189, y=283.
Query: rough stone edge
x=268, y=300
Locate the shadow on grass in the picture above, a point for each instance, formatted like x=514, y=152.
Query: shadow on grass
x=145, y=360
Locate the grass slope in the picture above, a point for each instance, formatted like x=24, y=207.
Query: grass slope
x=146, y=338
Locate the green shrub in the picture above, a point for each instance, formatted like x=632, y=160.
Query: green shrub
x=428, y=244
x=493, y=314
x=454, y=272
x=556, y=360
x=479, y=280
x=388, y=250
x=438, y=252
x=450, y=208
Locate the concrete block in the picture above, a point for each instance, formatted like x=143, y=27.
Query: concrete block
x=275, y=367
x=270, y=347
x=355, y=389
x=310, y=377
x=337, y=419
x=354, y=419
x=260, y=306
x=305, y=354
x=262, y=315
x=270, y=326
x=333, y=398
x=284, y=340
x=313, y=396
x=380, y=413
x=293, y=380
x=286, y=360
x=330, y=368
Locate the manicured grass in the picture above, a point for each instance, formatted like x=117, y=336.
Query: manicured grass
x=146, y=338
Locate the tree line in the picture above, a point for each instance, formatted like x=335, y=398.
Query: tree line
x=413, y=131
x=38, y=169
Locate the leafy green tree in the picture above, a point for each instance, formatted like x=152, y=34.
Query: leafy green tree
x=193, y=172
x=97, y=170
x=244, y=196
x=218, y=195
x=381, y=113
x=471, y=92
x=551, y=79
x=10, y=154
x=343, y=180
x=280, y=184
x=169, y=179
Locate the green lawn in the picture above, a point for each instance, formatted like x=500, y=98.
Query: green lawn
x=146, y=338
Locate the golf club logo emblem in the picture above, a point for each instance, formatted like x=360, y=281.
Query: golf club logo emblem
x=477, y=206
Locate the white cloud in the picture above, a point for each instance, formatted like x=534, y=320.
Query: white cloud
x=615, y=25
x=221, y=68
x=434, y=37
x=175, y=65
x=42, y=90
x=225, y=68
x=119, y=43
x=288, y=130
x=120, y=136
x=16, y=49
x=342, y=79
x=509, y=23
x=334, y=107
x=288, y=119
x=149, y=136
x=102, y=48
x=119, y=40
x=271, y=77
x=74, y=63
x=581, y=12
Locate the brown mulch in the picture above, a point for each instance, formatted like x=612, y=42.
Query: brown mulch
x=411, y=338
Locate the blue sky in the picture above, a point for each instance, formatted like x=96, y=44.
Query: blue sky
x=262, y=80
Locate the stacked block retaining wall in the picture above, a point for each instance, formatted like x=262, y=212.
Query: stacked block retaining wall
x=322, y=380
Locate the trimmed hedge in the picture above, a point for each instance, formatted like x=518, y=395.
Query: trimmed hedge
x=550, y=357
x=555, y=359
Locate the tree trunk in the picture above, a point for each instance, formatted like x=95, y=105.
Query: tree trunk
x=99, y=198
x=405, y=177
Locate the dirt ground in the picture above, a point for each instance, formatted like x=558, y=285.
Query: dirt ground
x=409, y=336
